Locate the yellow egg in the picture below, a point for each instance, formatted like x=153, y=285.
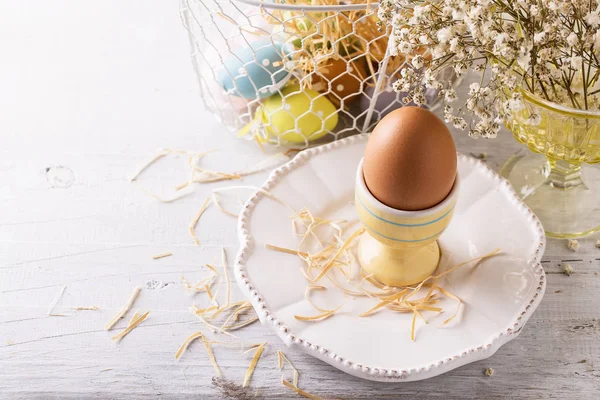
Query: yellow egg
x=298, y=115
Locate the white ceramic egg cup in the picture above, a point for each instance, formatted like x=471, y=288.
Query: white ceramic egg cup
x=498, y=299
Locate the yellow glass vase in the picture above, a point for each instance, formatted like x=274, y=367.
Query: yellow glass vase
x=558, y=183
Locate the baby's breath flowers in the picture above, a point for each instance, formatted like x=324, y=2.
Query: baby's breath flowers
x=550, y=48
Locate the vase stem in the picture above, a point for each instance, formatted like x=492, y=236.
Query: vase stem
x=563, y=174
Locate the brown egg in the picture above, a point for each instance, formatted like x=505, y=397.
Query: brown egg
x=410, y=160
x=340, y=78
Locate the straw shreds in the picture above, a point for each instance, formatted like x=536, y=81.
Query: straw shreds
x=319, y=317
x=229, y=307
x=235, y=315
x=211, y=327
x=185, y=283
x=194, y=222
x=204, y=310
x=220, y=319
x=325, y=313
x=135, y=316
x=244, y=324
x=235, y=310
x=160, y=154
x=162, y=199
x=231, y=321
x=211, y=356
x=213, y=176
x=203, y=285
x=198, y=174
x=217, y=204
x=124, y=310
x=87, y=308
x=259, y=347
x=281, y=361
x=299, y=391
x=309, y=289
x=374, y=309
x=162, y=255
x=164, y=152
x=253, y=363
x=401, y=302
x=186, y=343
x=453, y=297
x=207, y=176
x=281, y=358
x=213, y=269
x=286, y=250
x=209, y=292
x=477, y=259
x=135, y=321
x=207, y=346
x=328, y=253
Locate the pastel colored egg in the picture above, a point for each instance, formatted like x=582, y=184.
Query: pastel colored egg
x=297, y=115
x=342, y=79
x=255, y=71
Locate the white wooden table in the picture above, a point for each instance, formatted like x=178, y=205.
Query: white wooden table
x=88, y=91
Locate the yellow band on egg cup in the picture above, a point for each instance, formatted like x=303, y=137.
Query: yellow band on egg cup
x=400, y=248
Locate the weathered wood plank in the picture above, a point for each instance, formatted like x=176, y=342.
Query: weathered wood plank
x=547, y=360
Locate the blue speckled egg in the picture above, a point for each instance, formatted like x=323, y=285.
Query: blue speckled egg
x=255, y=71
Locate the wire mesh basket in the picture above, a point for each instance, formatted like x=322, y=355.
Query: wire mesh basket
x=294, y=74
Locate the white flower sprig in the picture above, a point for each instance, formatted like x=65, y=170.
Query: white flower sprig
x=547, y=47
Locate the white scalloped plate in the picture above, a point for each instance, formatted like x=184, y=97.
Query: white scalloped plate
x=499, y=298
